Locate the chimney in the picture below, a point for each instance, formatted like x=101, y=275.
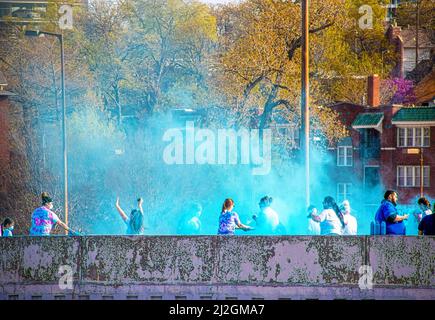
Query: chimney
x=373, y=94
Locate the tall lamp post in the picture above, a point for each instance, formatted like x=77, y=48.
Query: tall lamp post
x=305, y=99
x=417, y=27
x=59, y=36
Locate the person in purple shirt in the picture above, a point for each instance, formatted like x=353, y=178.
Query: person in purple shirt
x=229, y=221
x=388, y=213
x=43, y=219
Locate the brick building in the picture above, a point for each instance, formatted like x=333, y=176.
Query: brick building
x=388, y=148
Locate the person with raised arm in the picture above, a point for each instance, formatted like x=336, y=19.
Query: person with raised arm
x=135, y=222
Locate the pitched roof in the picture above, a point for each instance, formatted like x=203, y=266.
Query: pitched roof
x=4, y=93
x=425, y=89
x=415, y=114
x=364, y=120
x=408, y=36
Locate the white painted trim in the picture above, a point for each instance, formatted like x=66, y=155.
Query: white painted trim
x=378, y=126
x=413, y=124
x=413, y=166
x=345, y=156
x=414, y=135
x=346, y=191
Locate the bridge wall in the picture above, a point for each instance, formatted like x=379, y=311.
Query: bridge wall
x=215, y=267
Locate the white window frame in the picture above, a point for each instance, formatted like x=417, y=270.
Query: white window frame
x=345, y=163
x=414, y=173
x=346, y=193
x=414, y=136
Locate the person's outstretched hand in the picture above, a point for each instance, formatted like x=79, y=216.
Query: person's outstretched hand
x=73, y=233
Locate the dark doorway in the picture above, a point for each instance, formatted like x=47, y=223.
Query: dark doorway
x=372, y=185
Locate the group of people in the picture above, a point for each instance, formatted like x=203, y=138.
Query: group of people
x=43, y=220
x=388, y=214
x=334, y=219
x=265, y=222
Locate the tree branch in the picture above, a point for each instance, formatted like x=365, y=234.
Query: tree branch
x=297, y=43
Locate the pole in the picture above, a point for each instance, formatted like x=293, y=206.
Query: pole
x=416, y=33
x=32, y=33
x=305, y=93
x=421, y=173
x=65, y=158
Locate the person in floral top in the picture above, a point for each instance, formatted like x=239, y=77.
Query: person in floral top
x=43, y=219
x=229, y=221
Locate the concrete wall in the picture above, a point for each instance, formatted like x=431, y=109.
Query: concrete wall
x=122, y=267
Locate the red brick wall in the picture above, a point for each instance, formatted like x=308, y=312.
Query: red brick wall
x=390, y=158
x=348, y=112
x=401, y=158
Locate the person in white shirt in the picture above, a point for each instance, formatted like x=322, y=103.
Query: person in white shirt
x=419, y=213
x=267, y=220
x=331, y=218
x=190, y=222
x=313, y=226
x=351, y=225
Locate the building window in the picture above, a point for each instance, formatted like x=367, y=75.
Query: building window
x=409, y=176
x=413, y=137
x=345, y=156
x=343, y=191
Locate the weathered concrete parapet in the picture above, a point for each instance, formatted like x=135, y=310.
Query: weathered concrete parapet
x=30, y=260
x=210, y=267
x=402, y=261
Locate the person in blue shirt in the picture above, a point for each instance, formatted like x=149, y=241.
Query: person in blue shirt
x=388, y=213
x=7, y=227
x=135, y=222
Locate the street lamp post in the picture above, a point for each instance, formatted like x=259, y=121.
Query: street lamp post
x=59, y=36
x=417, y=27
x=305, y=100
